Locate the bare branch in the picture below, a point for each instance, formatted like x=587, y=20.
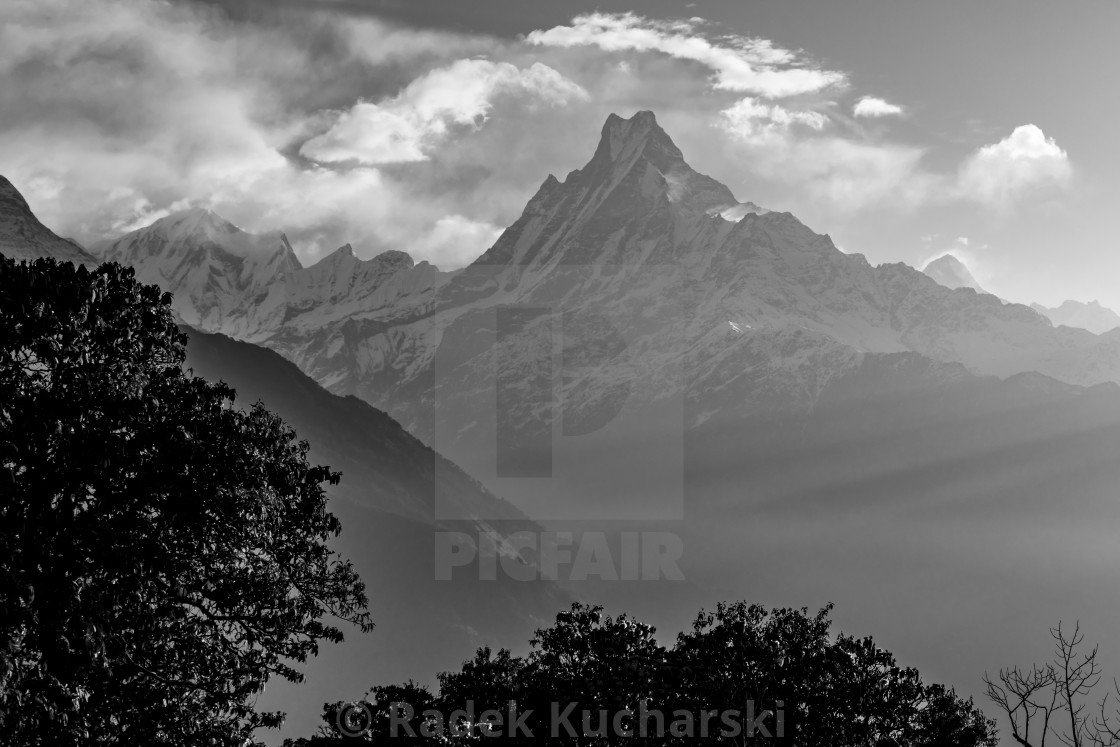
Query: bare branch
x=1027, y=697
x=1078, y=674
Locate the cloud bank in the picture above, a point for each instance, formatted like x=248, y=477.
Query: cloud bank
x=739, y=63
x=352, y=130
x=407, y=126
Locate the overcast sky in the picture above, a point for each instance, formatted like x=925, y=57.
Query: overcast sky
x=904, y=130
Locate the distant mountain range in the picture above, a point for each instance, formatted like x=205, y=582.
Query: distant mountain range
x=1091, y=316
x=22, y=236
x=722, y=306
x=952, y=273
x=368, y=327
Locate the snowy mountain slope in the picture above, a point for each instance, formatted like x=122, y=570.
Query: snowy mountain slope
x=250, y=286
x=666, y=256
x=22, y=236
x=952, y=273
x=636, y=236
x=215, y=270
x=1091, y=316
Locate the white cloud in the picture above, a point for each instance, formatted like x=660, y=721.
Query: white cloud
x=800, y=149
x=755, y=122
x=792, y=147
x=406, y=126
x=114, y=112
x=376, y=42
x=739, y=63
x=372, y=134
x=455, y=241
x=852, y=175
x=870, y=106
x=1024, y=161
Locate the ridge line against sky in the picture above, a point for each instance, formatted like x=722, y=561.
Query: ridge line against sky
x=424, y=128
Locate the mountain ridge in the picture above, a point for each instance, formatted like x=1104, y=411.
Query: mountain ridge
x=1092, y=316
x=22, y=236
x=634, y=232
x=385, y=501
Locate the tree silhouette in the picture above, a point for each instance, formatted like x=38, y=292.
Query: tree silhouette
x=830, y=690
x=1052, y=700
x=162, y=553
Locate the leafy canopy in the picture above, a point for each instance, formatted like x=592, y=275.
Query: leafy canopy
x=162, y=553
x=833, y=690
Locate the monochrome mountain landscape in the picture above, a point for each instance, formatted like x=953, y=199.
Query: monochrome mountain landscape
x=606, y=319
x=822, y=412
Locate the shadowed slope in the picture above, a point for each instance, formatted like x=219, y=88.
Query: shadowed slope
x=384, y=502
x=22, y=236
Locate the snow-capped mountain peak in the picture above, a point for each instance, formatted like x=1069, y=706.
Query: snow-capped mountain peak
x=342, y=255
x=952, y=273
x=637, y=175
x=225, y=279
x=625, y=139
x=627, y=142
x=213, y=267
x=203, y=228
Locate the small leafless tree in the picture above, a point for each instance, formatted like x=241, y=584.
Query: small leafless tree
x=1029, y=698
x=1051, y=700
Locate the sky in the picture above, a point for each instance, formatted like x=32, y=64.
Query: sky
x=904, y=130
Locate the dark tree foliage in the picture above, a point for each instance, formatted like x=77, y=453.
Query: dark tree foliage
x=162, y=553
x=833, y=690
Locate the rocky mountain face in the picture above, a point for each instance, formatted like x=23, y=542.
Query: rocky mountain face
x=254, y=288
x=22, y=236
x=635, y=302
x=215, y=269
x=1091, y=316
x=636, y=220
x=952, y=273
x=635, y=281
